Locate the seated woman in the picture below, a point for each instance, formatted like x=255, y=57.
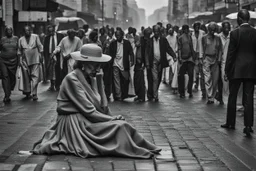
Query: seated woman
x=84, y=127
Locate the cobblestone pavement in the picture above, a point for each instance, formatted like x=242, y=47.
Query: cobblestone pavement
x=187, y=130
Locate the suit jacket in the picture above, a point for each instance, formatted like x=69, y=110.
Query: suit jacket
x=128, y=55
x=241, y=57
x=164, y=48
x=47, y=44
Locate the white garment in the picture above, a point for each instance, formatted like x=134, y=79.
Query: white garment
x=55, y=43
x=118, y=61
x=156, y=49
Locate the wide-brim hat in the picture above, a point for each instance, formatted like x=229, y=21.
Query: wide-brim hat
x=90, y=53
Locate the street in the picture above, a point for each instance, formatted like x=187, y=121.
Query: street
x=187, y=130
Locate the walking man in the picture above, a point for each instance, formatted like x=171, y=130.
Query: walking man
x=197, y=36
x=186, y=59
x=240, y=68
x=52, y=63
x=156, y=60
x=212, y=51
x=122, y=59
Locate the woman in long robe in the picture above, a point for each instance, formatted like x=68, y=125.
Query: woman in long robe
x=84, y=126
x=8, y=62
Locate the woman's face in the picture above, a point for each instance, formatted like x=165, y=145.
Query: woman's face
x=92, y=68
x=8, y=32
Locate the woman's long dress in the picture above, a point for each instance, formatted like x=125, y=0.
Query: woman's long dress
x=84, y=130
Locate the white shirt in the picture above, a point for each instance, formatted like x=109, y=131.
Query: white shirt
x=156, y=48
x=55, y=43
x=118, y=62
x=225, y=43
x=172, y=40
x=197, y=42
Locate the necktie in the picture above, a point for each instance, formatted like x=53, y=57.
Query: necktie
x=53, y=44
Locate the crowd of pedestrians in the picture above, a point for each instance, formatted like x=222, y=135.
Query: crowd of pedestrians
x=188, y=59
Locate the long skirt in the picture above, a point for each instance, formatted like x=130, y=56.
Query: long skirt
x=74, y=134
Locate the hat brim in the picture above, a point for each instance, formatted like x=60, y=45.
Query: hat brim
x=78, y=57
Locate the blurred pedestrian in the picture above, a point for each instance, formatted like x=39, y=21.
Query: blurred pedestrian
x=187, y=61
x=222, y=84
x=67, y=45
x=197, y=36
x=8, y=62
x=81, y=35
x=52, y=62
x=103, y=35
x=172, y=75
x=108, y=66
x=211, y=55
x=122, y=58
x=240, y=68
x=156, y=60
x=30, y=52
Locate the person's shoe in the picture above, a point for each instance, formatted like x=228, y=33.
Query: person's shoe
x=156, y=100
x=7, y=100
x=221, y=102
x=164, y=82
x=35, y=98
x=182, y=96
x=150, y=99
x=28, y=96
x=174, y=92
x=51, y=89
x=247, y=131
x=210, y=102
x=136, y=99
x=190, y=95
x=227, y=126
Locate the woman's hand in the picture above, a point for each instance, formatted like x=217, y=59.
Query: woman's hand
x=119, y=117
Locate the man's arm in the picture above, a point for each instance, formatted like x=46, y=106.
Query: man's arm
x=231, y=54
x=131, y=54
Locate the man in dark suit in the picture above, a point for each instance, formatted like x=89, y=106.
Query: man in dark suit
x=52, y=63
x=240, y=68
x=156, y=60
x=122, y=58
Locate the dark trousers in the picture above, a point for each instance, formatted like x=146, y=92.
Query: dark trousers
x=219, y=95
x=139, y=83
x=150, y=84
x=108, y=78
x=248, y=91
x=186, y=67
x=8, y=80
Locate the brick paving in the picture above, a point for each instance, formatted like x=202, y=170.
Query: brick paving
x=187, y=130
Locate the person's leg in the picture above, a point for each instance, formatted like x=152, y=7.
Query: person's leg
x=248, y=92
x=231, y=108
x=219, y=94
x=35, y=74
x=208, y=79
x=58, y=73
x=215, y=78
x=117, y=83
x=125, y=80
x=196, y=71
x=181, y=79
x=5, y=80
x=202, y=80
x=107, y=78
x=150, y=84
x=190, y=70
x=155, y=76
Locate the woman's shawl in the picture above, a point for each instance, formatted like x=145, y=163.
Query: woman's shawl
x=78, y=96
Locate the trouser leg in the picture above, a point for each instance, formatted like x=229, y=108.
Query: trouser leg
x=124, y=80
x=190, y=70
x=215, y=78
x=202, y=79
x=34, y=72
x=220, y=86
x=108, y=78
x=181, y=78
x=117, y=83
x=150, y=83
x=5, y=80
x=231, y=108
x=156, y=81
x=248, y=92
x=208, y=79
x=196, y=75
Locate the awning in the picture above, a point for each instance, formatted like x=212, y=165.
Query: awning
x=197, y=14
x=88, y=17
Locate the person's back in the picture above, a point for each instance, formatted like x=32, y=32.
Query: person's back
x=245, y=60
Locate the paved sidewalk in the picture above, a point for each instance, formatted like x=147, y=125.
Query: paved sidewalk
x=186, y=129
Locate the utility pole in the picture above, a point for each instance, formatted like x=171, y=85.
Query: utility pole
x=238, y=5
x=103, y=18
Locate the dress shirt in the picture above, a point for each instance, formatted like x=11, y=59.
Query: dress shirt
x=118, y=62
x=225, y=42
x=156, y=48
x=197, y=41
x=55, y=42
